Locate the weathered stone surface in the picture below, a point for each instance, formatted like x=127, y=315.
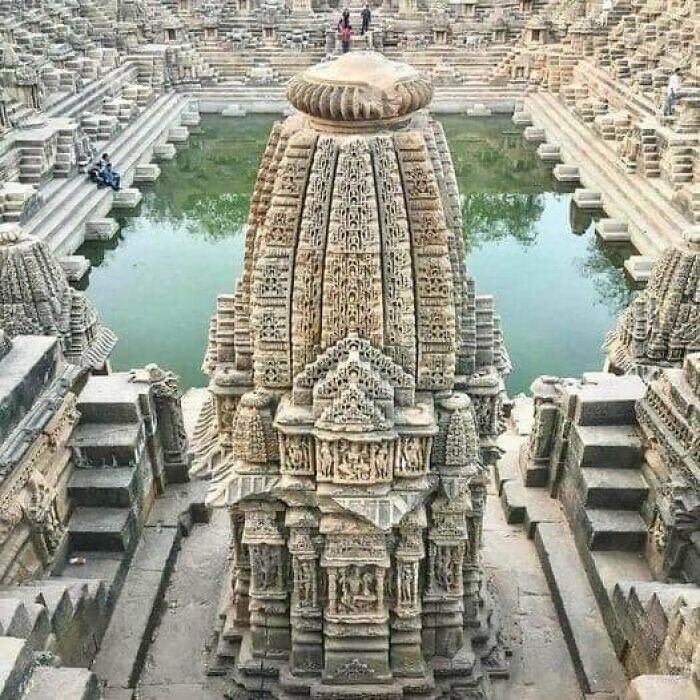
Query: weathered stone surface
x=68, y=683
x=30, y=275
x=586, y=636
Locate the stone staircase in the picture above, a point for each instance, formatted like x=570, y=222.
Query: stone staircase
x=71, y=203
x=88, y=98
x=653, y=222
x=109, y=489
x=643, y=610
x=602, y=487
x=271, y=98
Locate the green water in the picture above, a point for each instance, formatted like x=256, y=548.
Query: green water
x=557, y=289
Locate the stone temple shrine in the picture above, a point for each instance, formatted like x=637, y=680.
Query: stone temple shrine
x=356, y=398
x=357, y=497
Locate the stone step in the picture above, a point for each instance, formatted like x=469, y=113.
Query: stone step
x=122, y=653
x=77, y=200
x=25, y=620
x=48, y=683
x=566, y=173
x=592, y=652
x=644, y=203
x=16, y=661
x=146, y=172
x=623, y=489
x=614, y=529
x=109, y=529
x=78, y=591
x=588, y=199
x=607, y=400
x=126, y=198
x=75, y=266
x=513, y=500
x=639, y=267
x=606, y=446
x=92, y=565
x=658, y=687
x=613, y=231
x=91, y=95
x=110, y=486
x=101, y=229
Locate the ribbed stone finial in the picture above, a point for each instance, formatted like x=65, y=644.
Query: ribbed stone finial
x=360, y=88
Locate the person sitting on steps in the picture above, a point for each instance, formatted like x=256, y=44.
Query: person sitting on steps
x=103, y=175
x=110, y=177
x=97, y=168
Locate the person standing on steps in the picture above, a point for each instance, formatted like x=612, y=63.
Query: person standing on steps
x=605, y=14
x=345, y=31
x=366, y=18
x=344, y=19
x=672, y=92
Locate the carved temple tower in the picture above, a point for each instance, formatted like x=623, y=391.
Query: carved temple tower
x=356, y=384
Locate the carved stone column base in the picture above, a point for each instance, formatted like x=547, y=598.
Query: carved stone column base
x=269, y=630
x=356, y=653
x=443, y=632
x=406, y=654
x=307, y=643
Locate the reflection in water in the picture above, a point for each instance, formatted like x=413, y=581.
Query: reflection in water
x=557, y=288
x=156, y=282
x=490, y=217
x=603, y=265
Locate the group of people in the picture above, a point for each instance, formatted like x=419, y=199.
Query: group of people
x=104, y=175
x=345, y=26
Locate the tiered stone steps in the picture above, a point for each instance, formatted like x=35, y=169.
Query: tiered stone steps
x=69, y=204
x=644, y=610
x=602, y=487
x=653, y=222
x=92, y=94
x=271, y=98
x=596, y=664
x=63, y=617
x=49, y=683
x=597, y=668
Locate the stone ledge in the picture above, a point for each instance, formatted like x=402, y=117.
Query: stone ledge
x=592, y=652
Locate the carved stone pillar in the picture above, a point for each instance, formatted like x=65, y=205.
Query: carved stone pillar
x=306, y=614
x=472, y=573
x=168, y=425
x=269, y=608
x=443, y=608
x=240, y=572
x=356, y=630
x=406, y=653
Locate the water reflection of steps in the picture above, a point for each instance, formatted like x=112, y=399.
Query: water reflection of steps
x=645, y=204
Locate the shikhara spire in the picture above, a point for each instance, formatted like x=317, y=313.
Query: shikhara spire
x=356, y=386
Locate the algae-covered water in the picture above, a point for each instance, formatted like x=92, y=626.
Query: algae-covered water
x=557, y=288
